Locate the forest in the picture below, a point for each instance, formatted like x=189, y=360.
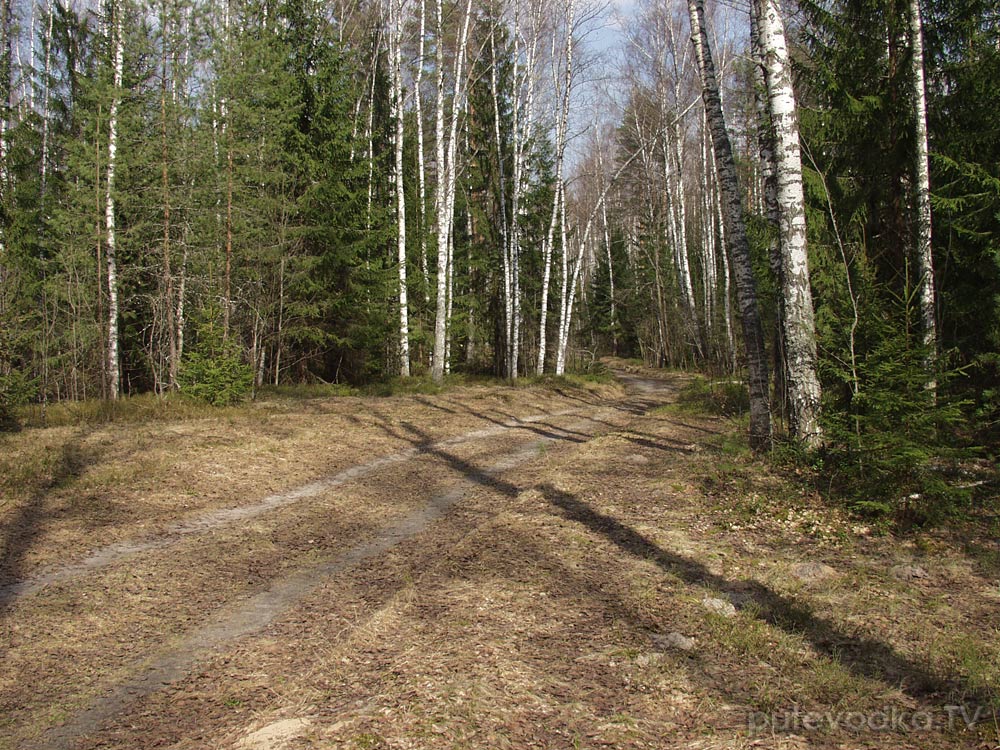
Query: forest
x=219, y=197
x=393, y=374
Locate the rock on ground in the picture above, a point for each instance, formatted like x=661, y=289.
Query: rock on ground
x=274, y=736
x=812, y=571
x=719, y=606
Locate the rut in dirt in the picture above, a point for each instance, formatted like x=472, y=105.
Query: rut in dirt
x=245, y=618
x=216, y=519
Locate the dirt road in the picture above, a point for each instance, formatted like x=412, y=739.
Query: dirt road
x=486, y=568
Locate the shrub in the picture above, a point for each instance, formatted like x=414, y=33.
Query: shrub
x=214, y=371
x=889, y=453
x=727, y=398
x=16, y=389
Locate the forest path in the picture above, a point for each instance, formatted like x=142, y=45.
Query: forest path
x=552, y=566
x=152, y=662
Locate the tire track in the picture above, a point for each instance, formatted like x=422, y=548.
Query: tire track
x=113, y=553
x=253, y=615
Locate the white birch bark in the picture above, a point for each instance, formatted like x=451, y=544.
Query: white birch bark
x=440, y=203
x=800, y=329
x=370, y=134
x=168, y=278
x=444, y=190
x=924, y=259
x=607, y=252
x=562, y=124
x=421, y=162
x=114, y=380
x=46, y=95
x=451, y=300
x=737, y=244
x=505, y=245
x=523, y=120
x=564, y=289
x=395, y=36
x=710, y=280
x=727, y=311
x=767, y=200
x=680, y=207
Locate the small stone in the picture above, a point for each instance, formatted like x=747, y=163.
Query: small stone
x=645, y=660
x=274, y=736
x=908, y=572
x=719, y=606
x=638, y=459
x=674, y=640
x=812, y=571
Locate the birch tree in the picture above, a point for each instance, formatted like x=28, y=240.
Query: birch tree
x=173, y=359
x=562, y=90
x=116, y=29
x=395, y=34
x=799, y=325
x=525, y=35
x=506, y=259
x=924, y=258
x=738, y=245
x=444, y=190
x=418, y=107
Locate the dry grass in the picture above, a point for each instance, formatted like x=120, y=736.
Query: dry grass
x=533, y=614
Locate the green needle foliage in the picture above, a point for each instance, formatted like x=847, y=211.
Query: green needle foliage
x=213, y=370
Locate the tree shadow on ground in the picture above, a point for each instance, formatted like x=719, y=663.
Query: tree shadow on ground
x=858, y=653
x=20, y=534
x=862, y=655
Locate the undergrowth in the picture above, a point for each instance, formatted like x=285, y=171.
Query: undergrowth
x=221, y=397
x=725, y=398
x=897, y=458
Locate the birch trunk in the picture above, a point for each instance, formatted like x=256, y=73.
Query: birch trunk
x=736, y=238
x=396, y=104
x=6, y=75
x=111, y=244
x=168, y=278
x=607, y=253
x=768, y=200
x=564, y=290
x=421, y=166
x=523, y=119
x=561, y=126
x=673, y=157
x=924, y=259
x=800, y=329
x=727, y=311
x=444, y=189
x=227, y=298
x=505, y=244
x=46, y=96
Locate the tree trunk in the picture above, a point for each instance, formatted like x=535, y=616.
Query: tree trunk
x=168, y=278
x=924, y=259
x=396, y=104
x=46, y=73
x=560, y=145
x=523, y=117
x=444, y=192
x=111, y=245
x=738, y=245
x=768, y=200
x=505, y=243
x=800, y=329
x=421, y=167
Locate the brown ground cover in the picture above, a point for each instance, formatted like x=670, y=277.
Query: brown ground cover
x=537, y=567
